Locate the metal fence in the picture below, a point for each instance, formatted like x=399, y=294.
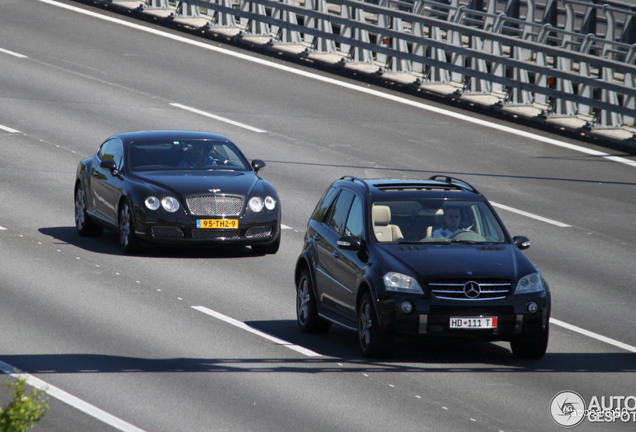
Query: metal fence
x=574, y=57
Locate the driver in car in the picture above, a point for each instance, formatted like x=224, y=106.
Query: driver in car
x=452, y=219
x=197, y=158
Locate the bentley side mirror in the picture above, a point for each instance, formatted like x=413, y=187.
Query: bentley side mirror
x=109, y=165
x=258, y=164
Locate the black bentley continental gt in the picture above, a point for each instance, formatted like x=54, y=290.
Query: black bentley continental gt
x=176, y=187
x=405, y=259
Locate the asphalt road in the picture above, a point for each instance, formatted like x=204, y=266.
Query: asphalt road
x=206, y=340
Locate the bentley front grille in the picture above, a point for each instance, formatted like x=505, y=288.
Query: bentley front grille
x=215, y=205
x=166, y=232
x=258, y=232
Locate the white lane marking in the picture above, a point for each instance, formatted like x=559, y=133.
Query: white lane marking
x=285, y=227
x=71, y=400
x=11, y=53
x=8, y=129
x=593, y=335
x=245, y=327
x=530, y=215
x=310, y=353
x=207, y=114
x=2, y=228
x=358, y=88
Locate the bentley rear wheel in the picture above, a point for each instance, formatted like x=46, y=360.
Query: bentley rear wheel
x=83, y=223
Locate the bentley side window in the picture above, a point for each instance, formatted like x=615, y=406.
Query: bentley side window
x=116, y=149
x=103, y=153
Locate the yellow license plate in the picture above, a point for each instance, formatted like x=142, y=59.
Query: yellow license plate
x=217, y=223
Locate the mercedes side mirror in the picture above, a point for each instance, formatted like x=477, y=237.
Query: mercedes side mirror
x=521, y=242
x=349, y=243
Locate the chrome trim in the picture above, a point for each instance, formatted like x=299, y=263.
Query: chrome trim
x=215, y=205
x=455, y=289
x=341, y=285
x=423, y=324
x=335, y=321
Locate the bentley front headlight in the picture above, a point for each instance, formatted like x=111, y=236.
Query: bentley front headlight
x=170, y=204
x=152, y=202
x=256, y=204
x=270, y=203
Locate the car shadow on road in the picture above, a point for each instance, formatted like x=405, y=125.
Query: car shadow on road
x=442, y=359
x=108, y=243
x=447, y=355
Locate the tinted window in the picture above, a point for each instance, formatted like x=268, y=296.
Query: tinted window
x=322, y=208
x=423, y=220
x=103, y=151
x=186, y=155
x=116, y=150
x=341, y=211
x=112, y=150
x=355, y=221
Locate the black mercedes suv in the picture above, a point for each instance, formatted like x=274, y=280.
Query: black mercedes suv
x=397, y=258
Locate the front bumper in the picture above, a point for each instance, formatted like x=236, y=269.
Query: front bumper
x=253, y=229
x=431, y=317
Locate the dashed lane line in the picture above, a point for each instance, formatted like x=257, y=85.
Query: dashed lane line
x=354, y=87
x=264, y=335
x=593, y=335
x=530, y=215
x=12, y=53
x=216, y=117
x=8, y=129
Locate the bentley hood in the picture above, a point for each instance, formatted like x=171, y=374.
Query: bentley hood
x=202, y=182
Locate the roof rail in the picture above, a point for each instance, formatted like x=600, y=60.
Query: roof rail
x=354, y=178
x=454, y=181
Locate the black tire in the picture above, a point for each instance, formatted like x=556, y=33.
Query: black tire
x=127, y=238
x=373, y=341
x=306, y=308
x=83, y=223
x=531, y=348
x=268, y=249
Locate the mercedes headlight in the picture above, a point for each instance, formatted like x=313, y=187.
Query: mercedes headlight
x=399, y=282
x=530, y=283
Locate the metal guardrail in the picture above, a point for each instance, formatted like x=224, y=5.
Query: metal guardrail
x=577, y=59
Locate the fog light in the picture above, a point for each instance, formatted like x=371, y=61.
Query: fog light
x=532, y=307
x=407, y=307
